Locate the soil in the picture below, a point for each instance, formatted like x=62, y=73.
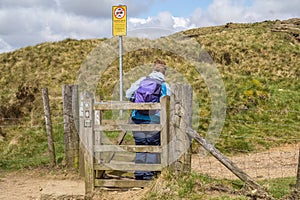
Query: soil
x=39, y=184
x=42, y=184
x=274, y=163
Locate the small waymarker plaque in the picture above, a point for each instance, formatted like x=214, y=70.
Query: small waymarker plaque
x=119, y=19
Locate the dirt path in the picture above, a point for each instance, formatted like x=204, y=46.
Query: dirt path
x=274, y=163
x=45, y=184
x=36, y=184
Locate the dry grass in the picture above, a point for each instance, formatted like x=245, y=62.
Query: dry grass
x=259, y=65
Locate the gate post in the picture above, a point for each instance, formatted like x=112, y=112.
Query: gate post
x=86, y=115
x=180, y=122
x=298, y=174
x=164, y=133
x=71, y=137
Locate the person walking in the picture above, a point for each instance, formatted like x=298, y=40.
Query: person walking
x=157, y=76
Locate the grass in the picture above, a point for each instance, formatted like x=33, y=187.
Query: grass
x=259, y=69
x=31, y=148
x=280, y=187
x=17, y=155
x=198, y=186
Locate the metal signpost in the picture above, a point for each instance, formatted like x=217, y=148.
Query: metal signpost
x=119, y=26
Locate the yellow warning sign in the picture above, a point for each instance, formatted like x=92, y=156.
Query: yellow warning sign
x=119, y=19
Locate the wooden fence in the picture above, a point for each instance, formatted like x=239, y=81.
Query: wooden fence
x=96, y=155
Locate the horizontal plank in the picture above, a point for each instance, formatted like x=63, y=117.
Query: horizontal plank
x=121, y=183
x=114, y=122
x=124, y=105
x=130, y=148
x=130, y=166
x=128, y=127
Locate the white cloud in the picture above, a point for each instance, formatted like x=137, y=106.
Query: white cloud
x=28, y=22
x=4, y=47
x=274, y=9
x=26, y=3
x=102, y=8
x=139, y=21
x=224, y=11
x=182, y=23
x=20, y=26
x=164, y=20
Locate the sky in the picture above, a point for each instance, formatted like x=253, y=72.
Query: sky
x=30, y=22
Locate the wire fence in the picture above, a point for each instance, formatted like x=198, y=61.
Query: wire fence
x=279, y=162
x=260, y=164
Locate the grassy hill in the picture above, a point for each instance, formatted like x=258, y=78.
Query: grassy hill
x=258, y=62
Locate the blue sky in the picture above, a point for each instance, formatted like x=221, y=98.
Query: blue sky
x=29, y=22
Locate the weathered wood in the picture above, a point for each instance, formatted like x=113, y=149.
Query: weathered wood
x=121, y=137
x=102, y=149
x=71, y=136
x=180, y=120
x=128, y=127
x=81, y=135
x=87, y=134
x=185, y=124
x=164, y=136
x=121, y=183
x=51, y=148
x=98, y=141
x=298, y=173
x=121, y=105
x=130, y=166
x=75, y=108
x=113, y=122
x=129, y=148
x=118, y=142
x=228, y=164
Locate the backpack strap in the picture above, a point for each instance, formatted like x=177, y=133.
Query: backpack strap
x=157, y=81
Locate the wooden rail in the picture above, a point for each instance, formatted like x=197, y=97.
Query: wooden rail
x=98, y=154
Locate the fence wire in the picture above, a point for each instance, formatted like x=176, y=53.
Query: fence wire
x=267, y=165
x=279, y=162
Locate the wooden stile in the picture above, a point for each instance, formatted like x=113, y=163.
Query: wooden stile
x=99, y=154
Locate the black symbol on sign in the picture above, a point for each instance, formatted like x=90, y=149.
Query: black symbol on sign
x=119, y=13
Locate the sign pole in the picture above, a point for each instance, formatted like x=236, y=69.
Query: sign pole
x=120, y=67
x=119, y=28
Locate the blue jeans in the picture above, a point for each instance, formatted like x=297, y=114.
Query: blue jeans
x=146, y=138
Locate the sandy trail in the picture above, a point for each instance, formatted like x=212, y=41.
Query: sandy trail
x=43, y=184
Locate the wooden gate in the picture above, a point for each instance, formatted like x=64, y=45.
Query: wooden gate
x=99, y=153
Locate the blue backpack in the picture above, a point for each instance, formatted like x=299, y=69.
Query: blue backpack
x=149, y=91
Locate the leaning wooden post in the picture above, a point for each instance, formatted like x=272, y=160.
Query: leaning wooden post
x=87, y=139
x=298, y=174
x=180, y=121
x=48, y=126
x=70, y=133
x=257, y=189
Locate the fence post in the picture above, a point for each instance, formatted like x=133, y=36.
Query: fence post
x=70, y=134
x=87, y=138
x=298, y=174
x=48, y=126
x=180, y=121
